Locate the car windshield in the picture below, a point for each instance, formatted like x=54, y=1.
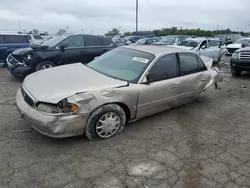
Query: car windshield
x=123, y=64
x=242, y=41
x=141, y=41
x=53, y=41
x=38, y=37
x=167, y=40
x=189, y=43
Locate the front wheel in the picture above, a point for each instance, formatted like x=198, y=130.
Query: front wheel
x=105, y=122
x=235, y=72
x=44, y=65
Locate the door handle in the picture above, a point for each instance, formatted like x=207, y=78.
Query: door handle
x=82, y=51
x=175, y=86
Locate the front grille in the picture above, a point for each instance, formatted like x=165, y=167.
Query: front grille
x=231, y=50
x=27, y=98
x=12, y=60
x=245, y=56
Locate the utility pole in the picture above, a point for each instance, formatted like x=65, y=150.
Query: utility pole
x=136, y=27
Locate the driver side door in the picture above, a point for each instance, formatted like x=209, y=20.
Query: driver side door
x=74, y=51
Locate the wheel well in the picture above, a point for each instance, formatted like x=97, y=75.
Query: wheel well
x=126, y=110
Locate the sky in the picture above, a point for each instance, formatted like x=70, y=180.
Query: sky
x=100, y=16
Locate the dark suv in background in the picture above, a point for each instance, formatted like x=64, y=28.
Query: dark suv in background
x=59, y=50
x=240, y=60
x=9, y=43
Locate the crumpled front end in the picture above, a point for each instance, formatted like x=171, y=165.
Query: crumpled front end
x=52, y=125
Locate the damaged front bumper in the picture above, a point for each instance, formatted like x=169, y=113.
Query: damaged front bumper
x=52, y=125
x=17, y=68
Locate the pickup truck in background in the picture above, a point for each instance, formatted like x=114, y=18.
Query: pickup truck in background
x=9, y=43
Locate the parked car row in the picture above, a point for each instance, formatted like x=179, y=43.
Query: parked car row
x=11, y=41
x=59, y=50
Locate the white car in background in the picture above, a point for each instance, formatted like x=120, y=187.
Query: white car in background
x=238, y=44
x=35, y=38
x=210, y=47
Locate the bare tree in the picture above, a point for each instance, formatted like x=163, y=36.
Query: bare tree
x=61, y=32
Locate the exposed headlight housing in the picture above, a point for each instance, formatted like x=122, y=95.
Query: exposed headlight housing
x=60, y=108
x=235, y=55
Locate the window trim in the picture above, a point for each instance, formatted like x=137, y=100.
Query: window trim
x=198, y=70
x=143, y=76
x=58, y=45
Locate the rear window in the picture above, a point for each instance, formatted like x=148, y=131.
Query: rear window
x=29, y=37
x=1, y=39
x=38, y=37
x=16, y=39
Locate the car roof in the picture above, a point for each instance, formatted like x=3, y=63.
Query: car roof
x=197, y=39
x=155, y=49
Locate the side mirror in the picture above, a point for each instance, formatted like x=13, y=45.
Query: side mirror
x=243, y=45
x=149, y=78
x=62, y=47
x=203, y=47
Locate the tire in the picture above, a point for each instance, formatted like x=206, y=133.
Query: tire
x=43, y=64
x=93, y=130
x=235, y=72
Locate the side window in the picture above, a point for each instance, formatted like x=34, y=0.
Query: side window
x=75, y=41
x=92, y=41
x=165, y=68
x=106, y=42
x=16, y=39
x=2, y=39
x=214, y=44
x=188, y=63
x=29, y=37
x=201, y=66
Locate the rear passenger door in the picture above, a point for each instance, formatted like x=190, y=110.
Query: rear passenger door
x=194, y=77
x=95, y=46
x=161, y=94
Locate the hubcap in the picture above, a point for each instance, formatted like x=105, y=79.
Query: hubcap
x=108, y=125
x=46, y=66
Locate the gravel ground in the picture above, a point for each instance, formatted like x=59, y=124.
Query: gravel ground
x=203, y=144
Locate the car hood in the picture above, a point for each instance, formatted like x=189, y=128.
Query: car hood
x=22, y=51
x=246, y=49
x=55, y=84
x=234, y=46
x=33, y=47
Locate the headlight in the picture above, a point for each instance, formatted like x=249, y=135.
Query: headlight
x=235, y=55
x=29, y=56
x=62, y=107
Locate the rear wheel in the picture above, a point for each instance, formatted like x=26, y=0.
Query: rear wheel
x=105, y=122
x=44, y=65
x=235, y=71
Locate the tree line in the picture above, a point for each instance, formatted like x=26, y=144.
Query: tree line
x=175, y=31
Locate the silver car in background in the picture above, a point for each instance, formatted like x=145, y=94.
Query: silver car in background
x=123, y=85
x=210, y=47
